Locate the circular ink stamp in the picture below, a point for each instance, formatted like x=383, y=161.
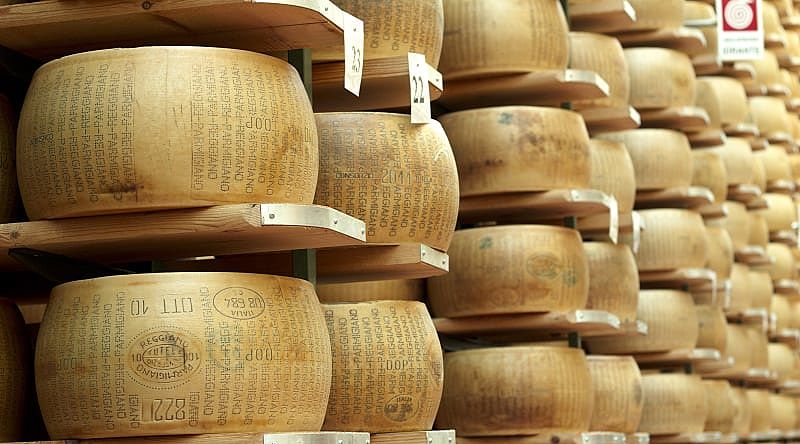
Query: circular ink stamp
x=239, y=303
x=164, y=357
x=401, y=408
x=543, y=266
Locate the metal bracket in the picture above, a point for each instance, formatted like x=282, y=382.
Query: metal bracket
x=317, y=438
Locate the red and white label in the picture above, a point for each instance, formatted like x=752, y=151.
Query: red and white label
x=740, y=30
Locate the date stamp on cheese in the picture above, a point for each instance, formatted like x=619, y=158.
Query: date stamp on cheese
x=239, y=303
x=164, y=357
x=401, y=408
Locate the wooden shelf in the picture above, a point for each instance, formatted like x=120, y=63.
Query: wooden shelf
x=781, y=186
x=713, y=211
x=601, y=15
x=420, y=437
x=599, y=228
x=677, y=358
x=790, y=387
x=706, y=64
x=686, y=119
x=789, y=62
x=742, y=130
x=51, y=28
x=752, y=316
x=754, y=376
x=638, y=438
x=752, y=255
x=725, y=363
x=774, y=41
x=791, y=23
x=534, y=206
x=242, y=438
x=534, y=88
x=689, y=197
x=558, y=437
x=792, y=105
x=602, y=120
x=692, y=277
x=778, y=90
x=772, y=435
x=787, y=287
x=790, y=337
x=690, y=438
x=687, y=40
x=786, y=237
x=743, y=193
x=738, y=70
x=707, y=138
x=173, y=234
x=758, y=143
x=780, y=138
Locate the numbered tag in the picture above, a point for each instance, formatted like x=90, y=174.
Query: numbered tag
x=420, y=93
x=353, y=53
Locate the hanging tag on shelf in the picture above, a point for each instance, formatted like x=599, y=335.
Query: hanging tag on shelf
x=420, y=92
x=353, y=53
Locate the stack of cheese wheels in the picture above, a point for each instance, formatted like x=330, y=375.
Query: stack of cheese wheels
x=660, y=157
x=697, y=10
x=759, y=355
x=603, y=55
x=781, y=308
x=759, y=231
x=741, y=422
x=671, y=321
x=660, y=78
x=708, y=171
x=685, y=396
x=8, y=173
x=656, y=14
x=782, y=360
x=387, y=367
x=776, y=164
x=712, y=328
x=723, y=98
x=409, y=195
x=720, y=252
x=617, y=386
x=15, y=372
x=613, y=279
x=738, y=347
x=136, y=158
x=518, y=148
x=387, y=30
x=769, y=114
x=782, y=264
x=721, y=407
x=512, y=269
x=783, y=412
x=740, y=298
x=507, y=391
x=472, y=38
x=761, y=289
x=736, y=223
x=612, y=172
x=738, y=158
x=673, y=239
x=781, y=213
x=388, y=290
x=760, y=410
x=164, y=344
x=759, y=175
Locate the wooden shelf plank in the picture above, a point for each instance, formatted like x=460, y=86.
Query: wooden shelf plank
x=420, y=437
x=744, y=193
x=530, y=325
x=637, y=438
x=706, y=64
x=751, y=316
x=787, y=287
x=713, y=211
x=601, y=15
x=687, y=119
x=755, y=376
x=534, y=206
x=738, y=70
x=784, y=237
x=772, y=435
x=693, y=277
x=602, y=120
x=689, y=197
x=781, y=186
x=677, y=358
x=689, y=438
x=706, y=138
x=752, y=255
x=51, y=28
x=742, y=130
x=687, y=40
x=789, y=336
x=236, y=438
x=562, y=438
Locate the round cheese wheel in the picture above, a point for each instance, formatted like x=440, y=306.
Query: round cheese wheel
x=759, y=174
x=736, y=223
x=769, y=114
x=8, y=172
x=512, y=269
x=782, y=360
x=660, y=78
x=708, y=171
x=723, y=98
x=393, y=28
x=474, y=44
x=711, y=328
x=721, y=407
x=785, y=7
x=759, y=231
x=781, y=212
x=15, y=372
x=506, y=391
x=612, y=172
x=671, y=325
x=685, y=396
x=613, y=279
x=783, y=413
x=387, y=367
x=720, y=252
x=759, y=356
x=760, y=289
x=740, y=299
x=518, y=148
x=776, y=163
x=783, y=264
x=661, y=158
x=738, y=158
x=772, y=19
x=603, y=55
x=173, y=127
x=180, y=353
x=738, y=347
x=655, y=14
x=787, y=77
x=388, y=290
x=760, y=410
x=741, y=422
x=794, y=165
x=409, y=195
x=617, y=387
x=782, y=309
x=768, y=70
x=673, y=239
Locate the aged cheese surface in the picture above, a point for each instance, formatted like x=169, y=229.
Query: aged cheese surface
x=782, y=360
x=8, y=172
x=723, y=98
x=660, y=78
x=612, y=172
x=661, y=158
x=783, y=263
x=739, y=347
x=15, y=372
x=603, y=55
x=769, y=114
x=613, y=279
x=673, y=403
x=781, y=212
x=760, y=410
x=712, y=328
x=721, y=407
x=738, y=158
x=741, y=298
x=673, y=239
x=708, y=171
x=720, y=252
x=654, y=14
x=618, y=397
x=391, y=289
x=741, y=423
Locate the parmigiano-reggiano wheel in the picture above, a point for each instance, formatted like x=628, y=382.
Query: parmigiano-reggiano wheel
x=671, y=325
x=769, y=114
x=740, y=288
x=660, y=78
x=175, y=341
x=655, y=14
x=760, y=289
x=712, y=328
x=736, y=223
x=613, y=279
x=388, y=290
x=794, y=165
x=782, y=309
x=15, y=372
x=474, y=44
x=783, y=413
x=795, y=314
x=612, y=172
x=173, y=127
x=721, y=407
x=768, y=70
x=720, y=252
x=723, y=98
x=759, y=357
x=518, y=148
x=506, y=391
x=673, y=239
x=603, y=55
x=387, y=360
x=410, y=194
x=738, y=158
x=708, y=171
x=673, y=403
x=617, y=386
x=776, y=163
x=512, y=269
x=781, y=212
x=759, y=231
x=782, y=360
x=772, y=19
x=760, y=410
x=783, y=264
x=741, y=423
x=759, y=174
x=8, y=172
x=661, y=158
x=739, y=347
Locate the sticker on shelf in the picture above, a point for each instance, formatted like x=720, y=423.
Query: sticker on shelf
x=420, y=92
x=353, y=53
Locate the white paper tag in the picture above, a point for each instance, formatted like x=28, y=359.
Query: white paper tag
x=353, y=53
x=420, y=92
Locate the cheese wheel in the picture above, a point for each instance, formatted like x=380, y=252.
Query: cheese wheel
x=769, y=114
x=696, y=10
x=738, y=347
x=738, y=158
x=741, y=422
x=387, y=367
x=782, y=360
x=393, y=28
x=661, y=158
x=671, y=325
x=612, y=172
x=781, y=212
x=759, y=355
x=720, y=252
x=507, y=391
x=655, y=14
x=410, y=194
x=760, y=289
x=794, y=165
x=768, y=70
x=15, y=372
x=518, y=148
x=772, y=19
x=783, y=414
x=759, y=231
x=711, y=328
x=721, y=407
x=603, y=55
x=673, y=239
x=785, y=7
x=760, y=409
x=795, y=314
x=708, y=171
x=176, y=351
x=617, y=387
x=740, y=299
x=736, y=223
x=759, y=174
x=673, y=403
x=782, y=309
x=776, y=163
x=173, y=127
x=475, y=44
x=388, y=290
x=783, y=264
x=660, y=78
x=613, y=279
x=8, y=173
x=512, y=269
x=723, y=98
